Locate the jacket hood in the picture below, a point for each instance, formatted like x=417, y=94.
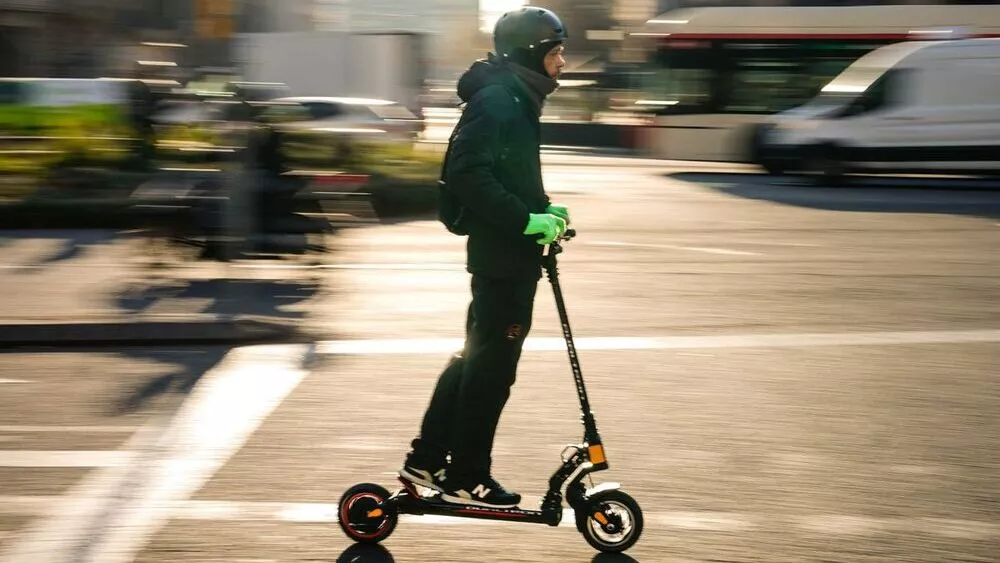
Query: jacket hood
x=482, y=73
x=493, y=70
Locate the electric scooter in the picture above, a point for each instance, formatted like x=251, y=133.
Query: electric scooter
x=609, y=519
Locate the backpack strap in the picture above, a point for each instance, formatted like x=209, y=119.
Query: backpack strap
x=447, y=151
x=515, y=96
x=451, y=212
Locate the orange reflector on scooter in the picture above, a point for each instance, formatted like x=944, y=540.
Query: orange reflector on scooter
x=375, y=513
x=600, y=517
x=596, y=453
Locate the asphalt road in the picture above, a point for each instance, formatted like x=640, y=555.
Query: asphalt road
x=780, y=373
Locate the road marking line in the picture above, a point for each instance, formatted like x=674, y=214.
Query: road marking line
x=110, y=515
x=224, y=410
x=65, y=526
x=361, y=446
x=551, y=344
x=14, y=381
x=706, y=249
x=418, y=266
x=305, y=513
x=964, y=529
x=855, y=525
x=62, y=458
x=101, y=429
x=789, y=244
x=325, y=513
x=704, y=521
x=839, y=524
x=724, y=251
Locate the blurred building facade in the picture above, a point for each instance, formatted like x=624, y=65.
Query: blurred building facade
x=56, y=37
x=92, y=38
x=266, y=16
x=451, y=26
x=88, y=38
x=596, y=28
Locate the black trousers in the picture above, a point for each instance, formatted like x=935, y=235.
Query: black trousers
x=474, y=387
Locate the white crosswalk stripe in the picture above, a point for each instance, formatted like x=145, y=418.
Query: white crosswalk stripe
x=107, y=518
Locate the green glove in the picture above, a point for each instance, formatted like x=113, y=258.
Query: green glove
x=547, y=225
x=560, y=211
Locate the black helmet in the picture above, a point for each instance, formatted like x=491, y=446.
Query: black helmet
x=527, y=28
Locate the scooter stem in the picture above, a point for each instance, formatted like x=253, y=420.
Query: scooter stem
x=591, y=436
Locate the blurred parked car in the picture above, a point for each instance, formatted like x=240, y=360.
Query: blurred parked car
x=359, y=117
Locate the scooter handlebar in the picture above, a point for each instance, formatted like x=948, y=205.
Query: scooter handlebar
x=555, y=247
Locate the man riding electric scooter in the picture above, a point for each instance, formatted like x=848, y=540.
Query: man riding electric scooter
x=492, y=191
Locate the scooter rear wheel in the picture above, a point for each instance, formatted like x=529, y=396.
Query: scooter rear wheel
x=612, y=523
x=359, y=516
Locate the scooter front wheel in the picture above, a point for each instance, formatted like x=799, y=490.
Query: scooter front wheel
x=612, y=523
x=360, y=517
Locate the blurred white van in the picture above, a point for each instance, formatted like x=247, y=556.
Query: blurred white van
x=912, y=107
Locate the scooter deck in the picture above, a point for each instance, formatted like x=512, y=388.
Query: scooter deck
x=431, y=503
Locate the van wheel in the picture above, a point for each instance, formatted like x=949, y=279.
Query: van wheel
x=772, y=167
x=824, y=165
x=757, y=151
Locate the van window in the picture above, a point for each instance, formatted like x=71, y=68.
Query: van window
x=889, y=90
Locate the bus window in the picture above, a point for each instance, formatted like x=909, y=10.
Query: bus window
x=766, y=86
x=677, y=88
x=685, y=86
x=679, y=80
x=11, y=92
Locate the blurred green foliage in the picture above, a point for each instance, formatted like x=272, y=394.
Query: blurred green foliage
x=87, y=152
x=37, y=139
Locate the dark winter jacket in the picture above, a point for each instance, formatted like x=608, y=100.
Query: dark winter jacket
x=494, y=167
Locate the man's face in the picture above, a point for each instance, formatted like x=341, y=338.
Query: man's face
x=554, y=62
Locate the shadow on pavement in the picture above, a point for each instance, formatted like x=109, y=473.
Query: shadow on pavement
x=362, y=553
x=191, y=366
x=101, y=283
x=79, y=243
x=224, y=296
x=75, y=243
x=612, y=558
x=978, y=198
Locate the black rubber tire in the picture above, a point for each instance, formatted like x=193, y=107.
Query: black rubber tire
x=590, y=528
x=825, y=166
x=757, y=151
x=352, y=514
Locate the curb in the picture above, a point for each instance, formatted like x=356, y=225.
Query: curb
x=143, y=333
x=583, y=159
